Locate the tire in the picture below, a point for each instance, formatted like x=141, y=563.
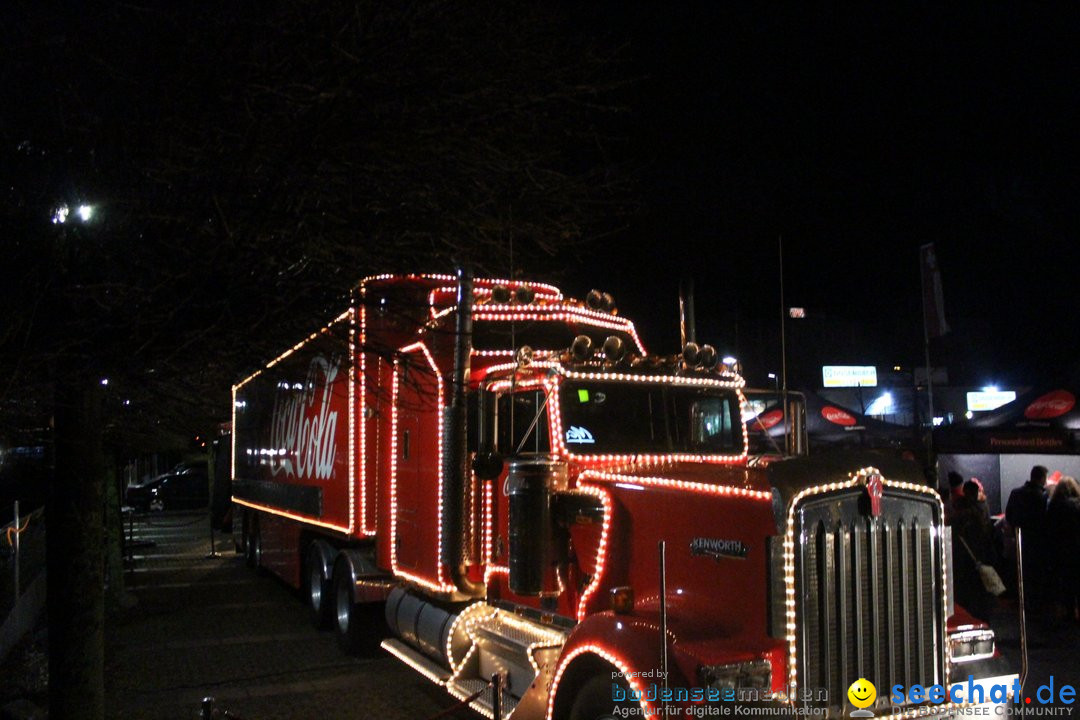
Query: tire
x=320, y=593
x=594, y=701
x=358, y=628
x=253, y=543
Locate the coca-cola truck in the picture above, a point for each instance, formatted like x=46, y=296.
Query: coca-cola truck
x=501, y=486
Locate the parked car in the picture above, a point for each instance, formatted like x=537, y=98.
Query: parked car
x=185, y=487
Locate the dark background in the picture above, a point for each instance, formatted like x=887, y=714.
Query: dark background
x=856, y=135
x=251, y=161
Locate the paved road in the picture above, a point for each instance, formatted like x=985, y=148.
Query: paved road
x=211, y=626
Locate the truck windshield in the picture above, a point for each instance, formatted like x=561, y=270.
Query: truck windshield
x=642, y=418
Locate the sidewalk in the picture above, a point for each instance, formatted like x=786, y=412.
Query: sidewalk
x=1053, y=648
x=213, y=627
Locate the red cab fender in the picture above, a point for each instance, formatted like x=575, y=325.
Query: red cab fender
x=618, y=646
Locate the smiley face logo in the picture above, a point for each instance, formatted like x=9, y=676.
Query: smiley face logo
x=862, y=693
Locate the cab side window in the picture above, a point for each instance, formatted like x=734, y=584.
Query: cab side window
x=521, y=421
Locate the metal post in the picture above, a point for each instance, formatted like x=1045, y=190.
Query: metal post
x=662, y=546
x=213, y=550
x=16, y=547
x=131, y=538
x=496, y=696
x=1020, y=610
x=783, y=351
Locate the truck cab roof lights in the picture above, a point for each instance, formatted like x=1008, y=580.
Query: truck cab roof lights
x=480, y=283
x=614, y=349
x=707, y=357
x=690, y=353
x=582, y=348
x=524, y=295
x=524, y=356
x=700, y=357
x=597, y=300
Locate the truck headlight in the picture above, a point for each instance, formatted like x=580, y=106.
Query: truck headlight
x=754, y=675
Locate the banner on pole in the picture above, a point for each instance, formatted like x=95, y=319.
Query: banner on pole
x=933, y=300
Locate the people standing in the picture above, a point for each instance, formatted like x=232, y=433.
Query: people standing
x=955, y=496
x=1063, y=537
x=1026, y=510
x=972, y=545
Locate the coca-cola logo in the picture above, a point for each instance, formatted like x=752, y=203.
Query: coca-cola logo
x=769, y=419
x=1051, y=405
x=304, y=429
x=837, y=416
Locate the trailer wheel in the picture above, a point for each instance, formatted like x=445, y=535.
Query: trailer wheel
x=320, y=593
x=594, y=701
x=358, y=627
x=254, y=544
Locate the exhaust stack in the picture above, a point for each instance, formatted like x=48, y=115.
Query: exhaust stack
x=687, y=329
x=452, y=552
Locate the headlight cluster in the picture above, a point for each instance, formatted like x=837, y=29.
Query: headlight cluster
x=971, y=645
x=754, y=675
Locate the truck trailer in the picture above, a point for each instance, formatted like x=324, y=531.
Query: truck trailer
x=501, y=487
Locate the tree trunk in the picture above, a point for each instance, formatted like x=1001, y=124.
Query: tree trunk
x=76, y=597
x=114, y=540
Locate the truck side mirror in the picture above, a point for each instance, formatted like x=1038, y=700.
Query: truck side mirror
x=488, y=465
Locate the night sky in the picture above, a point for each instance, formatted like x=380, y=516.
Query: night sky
x=856, y=135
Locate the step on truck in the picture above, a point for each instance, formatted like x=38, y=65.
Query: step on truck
x=503, y=489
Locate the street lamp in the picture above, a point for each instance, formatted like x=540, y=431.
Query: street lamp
x=61, y=214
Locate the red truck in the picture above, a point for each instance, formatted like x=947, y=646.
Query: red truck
x=550, y=522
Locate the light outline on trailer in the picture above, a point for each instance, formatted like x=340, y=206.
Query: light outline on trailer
x=235, y=435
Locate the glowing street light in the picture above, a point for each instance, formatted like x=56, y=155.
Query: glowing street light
x=63, y=212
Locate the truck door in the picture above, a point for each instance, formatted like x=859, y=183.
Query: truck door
x=416, y=473
x=409, y=489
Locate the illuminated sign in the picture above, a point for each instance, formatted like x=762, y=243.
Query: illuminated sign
x=1051, y=405
x=849, y=376
x=989, y=399
x=837, y=416
x=796, y=313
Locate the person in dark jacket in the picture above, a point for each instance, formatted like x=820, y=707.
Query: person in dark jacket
x=972, y=544
x=1026, y=510
x=956, y=495
x=1063, y=537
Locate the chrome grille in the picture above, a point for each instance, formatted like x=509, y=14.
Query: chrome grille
x=869, y=593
